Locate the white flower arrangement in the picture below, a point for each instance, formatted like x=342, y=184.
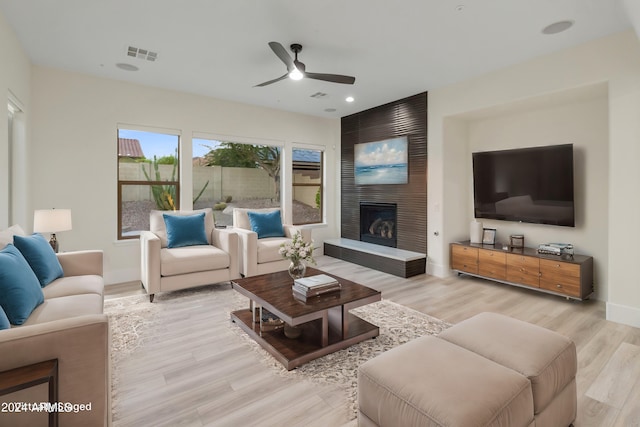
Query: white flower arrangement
x=297, y=250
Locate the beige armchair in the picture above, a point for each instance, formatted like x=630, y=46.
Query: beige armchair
x=261, y=256
x=170, y=269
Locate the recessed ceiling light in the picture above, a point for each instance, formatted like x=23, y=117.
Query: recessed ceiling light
x=557, y=27
x=349, y=99
x=126, y=67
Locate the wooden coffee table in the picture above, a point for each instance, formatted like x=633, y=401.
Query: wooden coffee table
x=327, y=326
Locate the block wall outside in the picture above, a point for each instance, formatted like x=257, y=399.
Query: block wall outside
x=239, y=183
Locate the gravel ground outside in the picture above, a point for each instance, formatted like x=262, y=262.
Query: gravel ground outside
x=136, y=213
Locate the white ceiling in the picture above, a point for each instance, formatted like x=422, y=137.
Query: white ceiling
x=219, y=48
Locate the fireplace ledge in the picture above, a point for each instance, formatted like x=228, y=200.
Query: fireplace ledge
x=398, y=262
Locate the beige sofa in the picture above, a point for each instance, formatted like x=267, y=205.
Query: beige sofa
x=261, y=256
x=69, y=326
x=171, y=269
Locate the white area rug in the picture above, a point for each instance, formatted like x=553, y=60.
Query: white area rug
x=135, y=322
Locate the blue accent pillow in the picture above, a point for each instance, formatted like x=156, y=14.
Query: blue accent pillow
x=40, y=256
x=20, y=291
x=267, y=224
x=187, y=230
x=4, y=320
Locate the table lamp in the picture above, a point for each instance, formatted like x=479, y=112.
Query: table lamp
x=52, y=221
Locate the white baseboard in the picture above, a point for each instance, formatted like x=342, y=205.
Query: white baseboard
x=623, y=314
x=121, y=276
x=437, y=270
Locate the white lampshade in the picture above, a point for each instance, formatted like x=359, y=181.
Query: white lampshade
x=51, y=220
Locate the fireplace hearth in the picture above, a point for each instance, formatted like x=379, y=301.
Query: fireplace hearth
x=378, y=223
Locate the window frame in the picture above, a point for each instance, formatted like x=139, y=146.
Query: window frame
x=123, y=183
x=322, y=151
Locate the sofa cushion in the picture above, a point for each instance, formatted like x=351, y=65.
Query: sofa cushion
x=158, y=227
x=269, y=249
x=40, y=256
x=191, y=259
x=431, y=382
x=66, y=307
x=4, y=320
x=266, y=224
x=74, y=285
x=6, y=236
x=185, y=230
x=20, y=291
x=241, y=216
x=546, y=358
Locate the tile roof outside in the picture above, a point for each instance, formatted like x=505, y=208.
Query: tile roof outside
x=128, y=147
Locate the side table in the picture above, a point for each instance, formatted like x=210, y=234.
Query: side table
x=29, y=376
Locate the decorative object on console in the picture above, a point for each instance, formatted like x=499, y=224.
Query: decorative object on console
x=52, y=221
x=489, y=236
x=516, y=241
x=297, y=251
x=476, y=232
x=556, y=249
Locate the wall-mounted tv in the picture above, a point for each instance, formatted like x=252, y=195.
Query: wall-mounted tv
x=382, y=162
x=532, y=185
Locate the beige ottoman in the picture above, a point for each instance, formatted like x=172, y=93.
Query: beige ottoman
x=546, y=358
x=431, y=382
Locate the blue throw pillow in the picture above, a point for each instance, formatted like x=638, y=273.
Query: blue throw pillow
x=187, y=230
x=40, y=256
x=20, y=291
x=266, y=224
x=4, y=320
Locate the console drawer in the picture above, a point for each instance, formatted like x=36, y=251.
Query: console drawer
x=524, y=270
x=464, y=258
x=492, y=264
x=558, y=276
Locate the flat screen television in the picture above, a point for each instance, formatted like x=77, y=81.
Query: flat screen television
x=532, y=185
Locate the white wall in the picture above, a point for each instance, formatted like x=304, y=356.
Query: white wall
x=15, y=72
x=585, y=125
x=615, y=61
x=75, y=117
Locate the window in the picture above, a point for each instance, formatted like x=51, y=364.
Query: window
x=148, y=178
x=307, y=186
x=232, y=174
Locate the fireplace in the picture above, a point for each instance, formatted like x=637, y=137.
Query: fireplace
x=378, y=223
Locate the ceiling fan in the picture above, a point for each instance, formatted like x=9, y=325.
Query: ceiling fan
x=296, y=70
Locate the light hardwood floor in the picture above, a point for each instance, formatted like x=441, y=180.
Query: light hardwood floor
x=240, y=392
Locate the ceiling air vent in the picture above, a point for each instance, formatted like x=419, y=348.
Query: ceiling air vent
x=318, y=95
x=136, y=52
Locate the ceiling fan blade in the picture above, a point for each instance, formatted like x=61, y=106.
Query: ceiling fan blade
x=281, y=53
x=273, y=81
x=334, y=78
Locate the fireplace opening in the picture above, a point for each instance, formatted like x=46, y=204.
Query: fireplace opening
x=378, y=223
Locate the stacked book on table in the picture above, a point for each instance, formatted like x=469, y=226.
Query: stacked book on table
x=314, y=286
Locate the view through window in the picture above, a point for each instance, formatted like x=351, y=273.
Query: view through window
x=148, y=178
x=307, y=186
x=231, y=174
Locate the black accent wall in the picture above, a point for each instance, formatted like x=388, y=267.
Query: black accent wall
x=406, y=116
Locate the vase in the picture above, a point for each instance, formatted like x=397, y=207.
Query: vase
x=297, y=269
x=476, y=232
x=292, y=332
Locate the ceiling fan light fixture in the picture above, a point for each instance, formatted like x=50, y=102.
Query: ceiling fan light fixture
x=295, y=74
